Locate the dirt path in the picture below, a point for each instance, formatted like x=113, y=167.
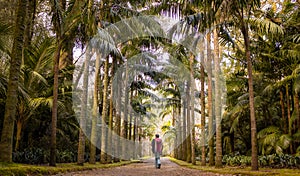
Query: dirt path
x=145, y=168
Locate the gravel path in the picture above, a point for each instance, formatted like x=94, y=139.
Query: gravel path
x=145, y=168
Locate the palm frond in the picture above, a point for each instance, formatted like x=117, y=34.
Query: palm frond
x=266, y=131
x=5, y=32
x=265, y=26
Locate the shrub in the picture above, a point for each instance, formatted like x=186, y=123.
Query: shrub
x=41, y=156
x=274, y=161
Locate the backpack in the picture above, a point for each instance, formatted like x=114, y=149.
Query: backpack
x=157, y=145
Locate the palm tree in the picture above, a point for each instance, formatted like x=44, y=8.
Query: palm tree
x=209, y=102
x=33, y=80
x=118, y=119
x=202, y=103
x=83, y=111
x=188, y=122
x=6, y=144
x=66, y=19
x=95, y=111
x=111, y=114
x=240, y=14
x=58, y=29
x=104, y=113
x=125, y=107
x=192, y=109
x=217, y=100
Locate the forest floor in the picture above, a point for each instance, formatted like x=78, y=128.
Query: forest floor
x=145, y=167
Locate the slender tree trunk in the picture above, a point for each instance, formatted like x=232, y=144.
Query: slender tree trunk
x=83, y=113
x=6, y=144
x=179, y=132
x=188, y=122
x=136, y=136
x=217, y=101
x=31, y=10
x=202, y=103
x=125, y=120
x=184, y=131
x=54, y=106
x=104, y=114
x=193, y=156
x=95, y=113
x=284, y=126
x=118, y=120
x=131, y=152
x=289, y=115
x=210, y=104
x=254, y=161
x=174, y=118
x=18, y=135
x=111, y=114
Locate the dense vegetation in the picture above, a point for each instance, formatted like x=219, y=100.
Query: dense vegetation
x=221, y=84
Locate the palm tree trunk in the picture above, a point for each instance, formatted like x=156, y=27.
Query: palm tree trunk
x=217, y=101
x=83, y=113
x=202, y=103
x=31, y=10
x=54, y=106
x=118, y=120
x=125, y=120
x=284, y=126
x=184, y=131
x=188, y=123
x=130, y=124
x=254, y=161
x=174, y=124
x=18, y=135
x=179, y=134
x=136, y=136
x=95, y=111
x=111, y=114
x=6, y=144
x=289, y=115
x=193, y=157
x=210, y=105
x=104, y=114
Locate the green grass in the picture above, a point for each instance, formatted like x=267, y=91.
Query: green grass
x=239, y=170
x=24, y=169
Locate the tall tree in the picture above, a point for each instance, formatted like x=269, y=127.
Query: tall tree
x=254, y=155
x=6, y=144
x=188, y=122
x=118, y=103
x=218, y=104
x=193, y=155
x=111, y=114
x=210, y=102
x=104, y=112
x=202, y=104
x=95, y=110
x=83, y=110
x=125, y=119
